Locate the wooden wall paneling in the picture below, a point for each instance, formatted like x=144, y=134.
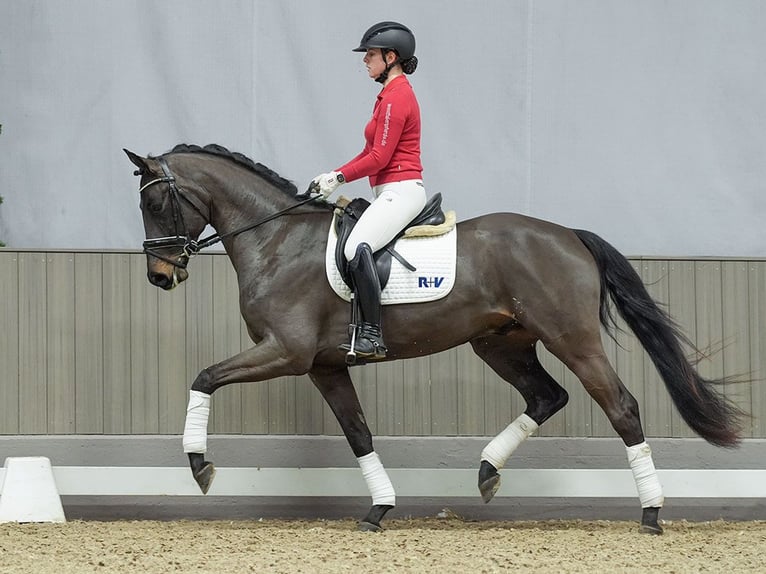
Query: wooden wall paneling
x=199, y=320
x=199, y=315
x=33, y=352
x=658, y=406
x=309, y=407
x=89, y=343
x=444, y=394
x=144, y=350
x=60, y=335
x=757, y=299
x=390, y=402
x=681, y=290
x=736, y=332
x=255, y=396
x=174, y=376
x=282, y=399
x=470, y=392
x=9, y=345
x=227, y=405
x=417, y=396
x=89, y=346
x=116, y=289
x=709, y=333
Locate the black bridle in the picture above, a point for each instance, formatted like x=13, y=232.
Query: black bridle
x=182, y=240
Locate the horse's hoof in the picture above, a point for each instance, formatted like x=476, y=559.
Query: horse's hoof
x=365, y=526
x=649, y=522
x=205, y=476
x=649, y=529
x=202, y=470
x=489, y=481
x=371, y=522
x=489, y=487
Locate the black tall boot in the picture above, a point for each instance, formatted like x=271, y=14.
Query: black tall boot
x=364, y=275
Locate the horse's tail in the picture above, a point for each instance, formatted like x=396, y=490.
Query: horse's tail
x=706, y=411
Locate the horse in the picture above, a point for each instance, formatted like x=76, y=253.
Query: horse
x=520, y=282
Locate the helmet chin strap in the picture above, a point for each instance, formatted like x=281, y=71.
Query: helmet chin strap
x=384, y=74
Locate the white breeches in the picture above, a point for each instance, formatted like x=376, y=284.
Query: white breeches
x=394, y=206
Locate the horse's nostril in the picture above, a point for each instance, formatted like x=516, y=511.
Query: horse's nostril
x=159, y=279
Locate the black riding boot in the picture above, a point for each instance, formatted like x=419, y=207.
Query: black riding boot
x=364, y=275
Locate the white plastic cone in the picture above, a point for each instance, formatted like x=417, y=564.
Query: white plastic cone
x=29, y=493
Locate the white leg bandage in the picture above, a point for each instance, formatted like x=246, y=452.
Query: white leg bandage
x=375, y=475
x=503, y=445
x=647, y=482
x=195, y=430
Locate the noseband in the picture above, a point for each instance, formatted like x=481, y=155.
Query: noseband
x=182, y=240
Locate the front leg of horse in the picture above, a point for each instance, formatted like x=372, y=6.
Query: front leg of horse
x=338, y=391
x=264, y=361
x=195, y=439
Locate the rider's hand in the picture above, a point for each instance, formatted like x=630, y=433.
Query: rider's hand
x=326, y=183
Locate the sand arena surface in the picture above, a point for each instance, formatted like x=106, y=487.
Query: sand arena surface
x=418, y=545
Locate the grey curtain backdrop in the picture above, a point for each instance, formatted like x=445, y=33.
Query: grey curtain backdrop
x=641, y=120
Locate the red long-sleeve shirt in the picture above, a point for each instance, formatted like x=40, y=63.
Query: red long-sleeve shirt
x=392, y=149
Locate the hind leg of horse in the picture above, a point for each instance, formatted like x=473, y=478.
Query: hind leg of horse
x=337, y=389
x=516, y=362
x=589, y=363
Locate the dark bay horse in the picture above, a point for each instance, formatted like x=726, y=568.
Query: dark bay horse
x=520, y=281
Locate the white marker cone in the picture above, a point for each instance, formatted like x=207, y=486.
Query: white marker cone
x=29, y=493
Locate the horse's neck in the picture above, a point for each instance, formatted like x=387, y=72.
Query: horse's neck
x=243, y=200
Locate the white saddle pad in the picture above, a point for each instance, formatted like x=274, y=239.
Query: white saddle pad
x=434, y=259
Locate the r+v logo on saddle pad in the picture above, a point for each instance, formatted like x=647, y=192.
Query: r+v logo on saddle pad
x=430, y=282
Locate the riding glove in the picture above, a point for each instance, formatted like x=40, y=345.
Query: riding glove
x=326, y=183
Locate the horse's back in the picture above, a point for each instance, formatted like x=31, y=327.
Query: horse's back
x=517, y=239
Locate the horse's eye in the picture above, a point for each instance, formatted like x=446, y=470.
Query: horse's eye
x=155, y=206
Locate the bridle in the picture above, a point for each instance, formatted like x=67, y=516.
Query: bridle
x=189, y=247
x=182, y=240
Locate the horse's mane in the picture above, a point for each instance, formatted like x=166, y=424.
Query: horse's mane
x=258, y=168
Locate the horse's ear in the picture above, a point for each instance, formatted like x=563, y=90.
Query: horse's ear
x=137, y=160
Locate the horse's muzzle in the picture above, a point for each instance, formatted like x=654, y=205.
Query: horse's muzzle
x=167, y=277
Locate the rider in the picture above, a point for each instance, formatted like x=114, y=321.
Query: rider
x=391, y=161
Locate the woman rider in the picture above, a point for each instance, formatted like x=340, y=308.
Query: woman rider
x=391, y=161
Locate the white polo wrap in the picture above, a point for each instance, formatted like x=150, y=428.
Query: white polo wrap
x=645, y=475
x=502, y=446
x=377, y=480
x=195, y=430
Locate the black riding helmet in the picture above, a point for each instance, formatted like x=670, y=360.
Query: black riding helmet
x=391, y=36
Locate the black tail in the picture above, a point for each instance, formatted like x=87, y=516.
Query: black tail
x=706, y=411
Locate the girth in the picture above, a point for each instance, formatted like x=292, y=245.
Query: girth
x=431, y=214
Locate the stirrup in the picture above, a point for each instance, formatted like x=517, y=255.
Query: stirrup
x=366, y=342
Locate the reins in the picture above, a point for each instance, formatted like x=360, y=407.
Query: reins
x=215, y=238
x=189, y=247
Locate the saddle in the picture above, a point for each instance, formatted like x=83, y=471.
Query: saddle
x=345, y=220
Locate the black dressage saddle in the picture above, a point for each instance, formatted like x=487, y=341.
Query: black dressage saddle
x=431, y=214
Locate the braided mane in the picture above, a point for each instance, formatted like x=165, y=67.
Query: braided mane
x=258, y=168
